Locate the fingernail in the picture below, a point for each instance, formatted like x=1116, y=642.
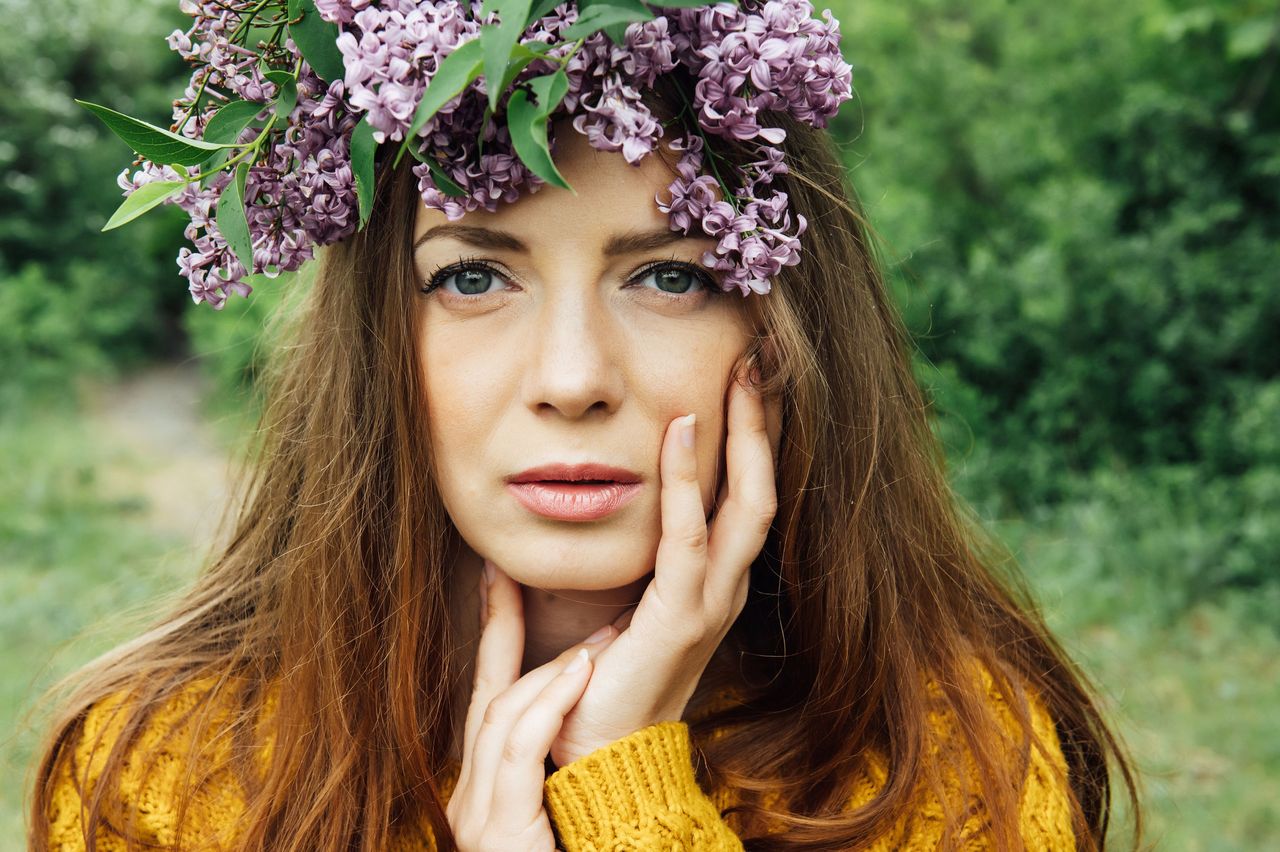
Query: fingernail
x=598, y=636
x=686, y=430
x=579, y=660
x=488, y=572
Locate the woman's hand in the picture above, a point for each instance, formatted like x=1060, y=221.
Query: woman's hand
x=511, y=723
x=648, y=674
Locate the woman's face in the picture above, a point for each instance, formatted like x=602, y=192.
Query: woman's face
x=570, y=329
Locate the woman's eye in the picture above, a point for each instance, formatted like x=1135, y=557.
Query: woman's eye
x=675, y=279
x=468, y=281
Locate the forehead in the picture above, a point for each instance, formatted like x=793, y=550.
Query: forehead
x=610, y=200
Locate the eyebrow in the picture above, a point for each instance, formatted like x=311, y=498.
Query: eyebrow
x=487, y=238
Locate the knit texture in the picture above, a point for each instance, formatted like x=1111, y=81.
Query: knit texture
x=637, y=793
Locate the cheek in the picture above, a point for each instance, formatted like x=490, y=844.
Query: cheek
x=461, y=399
x=695, y=379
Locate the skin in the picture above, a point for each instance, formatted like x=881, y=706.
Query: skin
x=562, y=351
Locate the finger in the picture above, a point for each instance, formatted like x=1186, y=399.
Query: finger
x=741, y=375
x=499, y=654
x=722, y=486
x=773, y=425
x=504, y=711
x=742, y=523
x=682, y=551
x=521, y=774
x=623, y=621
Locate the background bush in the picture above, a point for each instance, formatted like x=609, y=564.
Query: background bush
x=1079, y=205
x=73, y=300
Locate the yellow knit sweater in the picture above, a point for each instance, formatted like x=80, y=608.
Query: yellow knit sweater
x=638, y=793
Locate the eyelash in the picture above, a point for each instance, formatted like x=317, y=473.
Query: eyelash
x=709, y=285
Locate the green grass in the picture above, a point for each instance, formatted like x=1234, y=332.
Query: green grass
x=77, y=571
x=1192, y=683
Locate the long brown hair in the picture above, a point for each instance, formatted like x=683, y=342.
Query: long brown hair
x=328, y=604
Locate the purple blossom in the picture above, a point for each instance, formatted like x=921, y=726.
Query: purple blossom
x=748, y=61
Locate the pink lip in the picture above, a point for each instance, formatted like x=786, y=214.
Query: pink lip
x=574, y=501
x=560, y=472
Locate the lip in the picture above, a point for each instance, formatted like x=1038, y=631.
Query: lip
x=562, y=472
x=574, y=501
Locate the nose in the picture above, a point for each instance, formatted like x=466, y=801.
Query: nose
x=573, y=365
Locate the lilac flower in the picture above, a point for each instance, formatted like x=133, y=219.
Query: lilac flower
x=748, y=61
x=392, y=51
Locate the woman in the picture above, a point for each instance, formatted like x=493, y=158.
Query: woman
x=553, y=541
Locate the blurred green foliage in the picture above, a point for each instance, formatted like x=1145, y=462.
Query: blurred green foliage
x=1081, y=202
x=73, y=300
x=1080, y=208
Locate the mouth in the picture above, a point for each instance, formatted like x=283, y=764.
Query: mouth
x=582, y=500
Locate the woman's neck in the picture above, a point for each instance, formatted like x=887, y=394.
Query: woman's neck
x=555, y=620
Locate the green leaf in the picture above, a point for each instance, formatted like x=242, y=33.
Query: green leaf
x=499, y=40
x=596, y=7
x=232, y=221
x=443, y=182
x=606, y=13
x=542, y=8
x=162, y=147
x=521, y=56
x=363, y=147
x=211, y=167
x=230, y=120
x=550, y=89
x=143, y=199
x=456, y=72
x=600, y=15
x=617, y=33
x=286, y=92
x=527, y=123
x=317, y=40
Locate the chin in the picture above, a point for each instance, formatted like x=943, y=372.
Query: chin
x=573, y=557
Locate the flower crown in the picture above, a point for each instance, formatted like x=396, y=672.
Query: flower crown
x=271, y=150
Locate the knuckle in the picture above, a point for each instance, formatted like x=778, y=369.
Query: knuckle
x=764, y=508
x=515, y=752
x=497, y=709
x=682, y=640
x=694, y=537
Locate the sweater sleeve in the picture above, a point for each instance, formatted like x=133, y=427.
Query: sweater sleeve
x=639, y=792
